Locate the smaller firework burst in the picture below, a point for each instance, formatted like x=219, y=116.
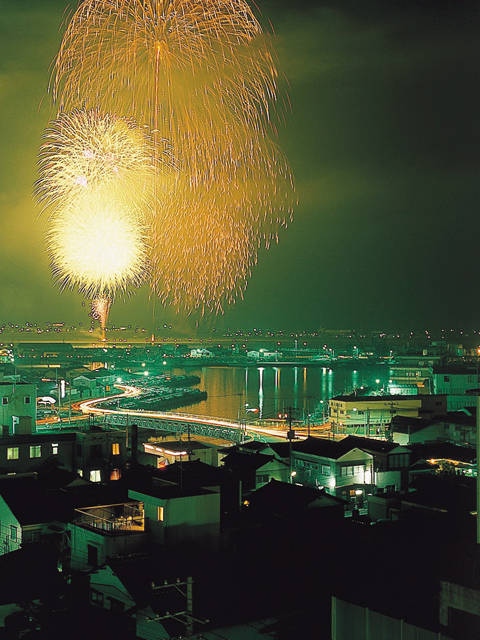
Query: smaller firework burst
x=86, y=151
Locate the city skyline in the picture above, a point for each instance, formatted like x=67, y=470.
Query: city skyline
x=381, y=139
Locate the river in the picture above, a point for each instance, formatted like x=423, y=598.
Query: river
x=266, y=391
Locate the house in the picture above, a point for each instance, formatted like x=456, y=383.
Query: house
x=200, y=353
x=178, y=515
x=161, y=452
x=99, y=381
x=29, y=512
x=100, y=532
x=457, y=427
x=341, y=467
x=253, y=470
x=100, y=453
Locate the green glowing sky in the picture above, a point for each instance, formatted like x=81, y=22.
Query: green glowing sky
x=383, y=140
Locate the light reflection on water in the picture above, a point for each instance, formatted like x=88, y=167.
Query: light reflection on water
x=272, y=390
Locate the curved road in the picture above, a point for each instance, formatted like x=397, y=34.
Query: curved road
x=237, y=428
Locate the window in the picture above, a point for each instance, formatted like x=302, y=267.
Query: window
x=92, y=555
x=262, y=478
x=27, y=400
x=13, y=532
x=116, y=606
x=115, y=474
x=35, y=451
x=95, y=475
x=12, y=453
x=325, y=470
x=160, y=514
x=96, y=597
x=96, y=450
x=115, y=448
x=54, y=448
x=4, y=400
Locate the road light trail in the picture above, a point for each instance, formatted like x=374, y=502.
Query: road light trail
x=90, y=407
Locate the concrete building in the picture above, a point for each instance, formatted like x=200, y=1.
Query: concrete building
x=18, y=405
x=372, y=415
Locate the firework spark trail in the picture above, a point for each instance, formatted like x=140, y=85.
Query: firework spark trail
x=100, y=308
x=201, y=76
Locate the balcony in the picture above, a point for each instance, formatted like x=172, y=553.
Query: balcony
x=113, y=519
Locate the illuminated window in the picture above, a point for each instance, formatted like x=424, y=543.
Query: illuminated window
x=54, y=448
x=95, y=475
x=115, y=474
x=35, y=451
x=160, y=514
x=115, y=448
x=12, y=453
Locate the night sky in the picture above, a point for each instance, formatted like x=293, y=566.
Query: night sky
x=382, y=137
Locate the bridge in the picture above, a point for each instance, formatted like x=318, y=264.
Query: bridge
x=175, y=422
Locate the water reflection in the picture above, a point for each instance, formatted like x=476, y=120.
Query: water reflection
x=273, y=389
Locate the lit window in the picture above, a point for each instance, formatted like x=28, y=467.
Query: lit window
x=115, y=448
x=54, y=448
x=35, y=451
x=115, y=474
x=95, y=475
x=12, y=453
x=160, y=514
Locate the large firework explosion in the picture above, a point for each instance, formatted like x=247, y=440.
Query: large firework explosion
x=201, y=77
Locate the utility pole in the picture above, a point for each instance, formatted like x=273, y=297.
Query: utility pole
x=184, y=616
x=290, y=437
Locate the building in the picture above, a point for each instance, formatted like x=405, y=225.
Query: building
x=179, y=515
x=18, y=404
x=101, y=532
x=340, y=467
x=460, y=384
x=27, y=452
x=372, y=415
x=100, y=453
x=91, y=383
x=160, y=452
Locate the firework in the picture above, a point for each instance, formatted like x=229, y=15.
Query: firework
x=200, y=77
x=86, y=151
x=97, y=247
x=100, y=308
x=170, y=63
x=207, y=238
